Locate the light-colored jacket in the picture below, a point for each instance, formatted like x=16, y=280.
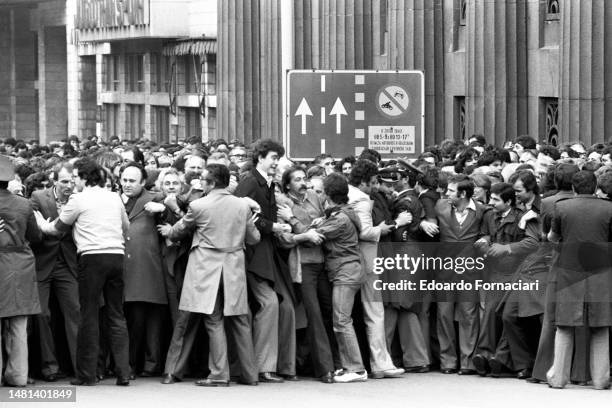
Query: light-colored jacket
x=369, y=236
x=223, y=225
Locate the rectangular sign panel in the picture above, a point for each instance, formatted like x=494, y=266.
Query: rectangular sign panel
x=343, y=112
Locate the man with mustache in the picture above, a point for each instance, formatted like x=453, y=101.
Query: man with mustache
x=307, y=263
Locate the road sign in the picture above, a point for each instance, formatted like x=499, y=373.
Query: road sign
x=344, y=112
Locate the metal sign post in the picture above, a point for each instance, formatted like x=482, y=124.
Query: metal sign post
x=344, y=112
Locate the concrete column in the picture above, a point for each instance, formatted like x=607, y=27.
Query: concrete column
x=334, y=34
x=497, y=80
x=586, y=71
x=417, y=43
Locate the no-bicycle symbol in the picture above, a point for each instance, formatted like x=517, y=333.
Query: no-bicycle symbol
x=392, y=100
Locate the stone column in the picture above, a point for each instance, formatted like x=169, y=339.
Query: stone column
x=334, y=34
x=585, y=106
x=417, y=43
x=249, y=76
x=497, y=86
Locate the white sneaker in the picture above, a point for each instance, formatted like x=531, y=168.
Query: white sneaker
x=351, y=377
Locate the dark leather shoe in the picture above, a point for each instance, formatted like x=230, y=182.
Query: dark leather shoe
x=209, y=382
x=170, y=379
x=327, y=378
x=290, y=377
x=533, y=380
x=270, y=378
x=78, y=381
x=417, y=369
x=245, y=382
x=467, y=371
x=524, y=374
x=448, y=370
x=481, y=364
x=497, y=368
x=50, y=377
x=123, y=381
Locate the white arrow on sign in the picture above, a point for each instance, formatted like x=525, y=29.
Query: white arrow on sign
x=303, y=110
x=338, y=110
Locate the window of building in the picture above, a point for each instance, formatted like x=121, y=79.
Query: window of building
x=111, y=73
x=462, y=12
x=135, y=121
x=111, y=120
x=162, y=124
x=553, y=10
x=193, y=73
x=134, y=73
x=460, y=118
x=551, y=119
x=160, y=77
x=193, y=126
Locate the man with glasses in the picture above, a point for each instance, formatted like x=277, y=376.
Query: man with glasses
x=238, y=155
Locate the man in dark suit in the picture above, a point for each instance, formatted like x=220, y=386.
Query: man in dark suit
x=56, y=268
x=145, y=291
x=583, y=280
x=268, y=277
x=544, y=357
x=459, y=219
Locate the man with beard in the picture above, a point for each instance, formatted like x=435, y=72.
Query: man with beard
x=145, y=293
x=215, y=280
x=267, y=274
x=56, y=267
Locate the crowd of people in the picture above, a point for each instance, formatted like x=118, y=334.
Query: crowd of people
x=112, y=254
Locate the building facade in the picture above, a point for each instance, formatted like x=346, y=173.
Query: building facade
x=131, y=68
x=499, y=68
x=152, y=68
x=33, y=69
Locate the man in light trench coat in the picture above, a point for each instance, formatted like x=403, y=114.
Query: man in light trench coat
x=215, y=279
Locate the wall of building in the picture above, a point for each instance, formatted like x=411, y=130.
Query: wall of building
x=497, y=68
x=203, y=18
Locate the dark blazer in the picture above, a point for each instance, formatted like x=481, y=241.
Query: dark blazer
x=458, y=241
x=428, y=200
x=46, y=252
x=260, y=257
x=583, y=271
x=143, y=274
x=451, y=231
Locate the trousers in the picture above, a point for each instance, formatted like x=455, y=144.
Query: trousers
x=13, y=333
x=559, y=374
x=101, y=273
